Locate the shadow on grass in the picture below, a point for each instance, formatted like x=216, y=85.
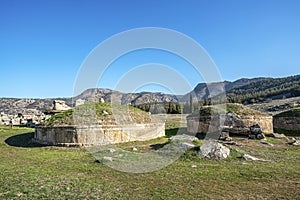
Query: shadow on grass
x=22, y=140
x=158, y=146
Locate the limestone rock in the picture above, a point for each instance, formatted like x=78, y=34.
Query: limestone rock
x=267, y=143
x=252, y=158
x=183, y=138
x=59, y=105
x=186, y=145
x=134, y=149
x=214, y=150
x=296, y=143
x=277, y=135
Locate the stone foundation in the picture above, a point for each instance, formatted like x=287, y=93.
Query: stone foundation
x=97, y=135
x=205, y=124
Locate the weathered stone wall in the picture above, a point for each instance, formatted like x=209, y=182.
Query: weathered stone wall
x=287, y=123
x=205, y=124
x=97, y=135
x=265, y=122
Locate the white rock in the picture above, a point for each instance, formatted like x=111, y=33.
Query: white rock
x=252, y=158
x=183, y=137
x=186, y=145
x=60, y=105
x=267, y=143
x=108, y=158
x=111, y=150
x=214, y=150
x=134, y=149
x=105, y=112
x=297, y=143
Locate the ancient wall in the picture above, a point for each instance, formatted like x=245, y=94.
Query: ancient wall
x=265, y=122
x=287, y=123
x=97, y=135
x=204, y=124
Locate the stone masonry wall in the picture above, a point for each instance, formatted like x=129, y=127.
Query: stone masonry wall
x=97, y=135
x=204, y=124
x=287, y=123
x=265, y=122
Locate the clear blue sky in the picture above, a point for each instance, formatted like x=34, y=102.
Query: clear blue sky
x=43, y=43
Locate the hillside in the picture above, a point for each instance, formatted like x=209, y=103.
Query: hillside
x=290, y=113
x=273, y=88
x=207, y=90
x=244, y=90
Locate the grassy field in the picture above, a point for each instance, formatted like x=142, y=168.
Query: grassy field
x=28, y=171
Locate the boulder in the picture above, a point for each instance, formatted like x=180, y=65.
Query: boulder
x=214, y=150
x=59, y=105
x=184, y=138
x=267, y=143
x=260, y=136
x=255, y=129
x=252, y=158
x=296, y=143
x=186, y=145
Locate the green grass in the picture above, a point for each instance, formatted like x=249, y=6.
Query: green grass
x=32, y=172
x=98, y=113
x=236, y=108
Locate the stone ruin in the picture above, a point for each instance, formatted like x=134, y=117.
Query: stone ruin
x=97, y=134
x=288, y=120
x=59, y=105
x=22, y=119
x=230, y=124
x=107, y=132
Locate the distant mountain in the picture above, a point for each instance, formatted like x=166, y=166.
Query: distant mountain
x=208, y=90
x=242, y=90
x=95, y=94
x=271, y=88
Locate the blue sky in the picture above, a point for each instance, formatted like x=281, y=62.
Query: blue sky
x=44, y=43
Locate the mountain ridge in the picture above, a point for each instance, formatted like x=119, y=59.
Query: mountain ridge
x=200, y=92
